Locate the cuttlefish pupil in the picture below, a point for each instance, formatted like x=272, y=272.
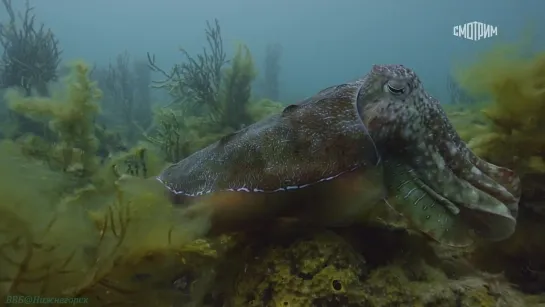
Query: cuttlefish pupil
x=396, y=90
x=380, y=141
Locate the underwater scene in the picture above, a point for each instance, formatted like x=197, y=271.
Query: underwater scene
x=272, y=153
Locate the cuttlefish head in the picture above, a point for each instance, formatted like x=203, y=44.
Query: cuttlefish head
x=434, y=179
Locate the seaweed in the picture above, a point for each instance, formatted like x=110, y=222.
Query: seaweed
x=70, y=116
x=197, y=81
x=263, y=108
x=57, y=240
x=82, y=238
x=457, y=95
x=511, y=82
x=178, y=135
x=211, y=97
x=29, y=61
x=236, y=90
x=513, y=136
x=119, y=84
x=168, y=135
x=31, y=55
x=127, y=94
x=203, y=86
x=142, y=110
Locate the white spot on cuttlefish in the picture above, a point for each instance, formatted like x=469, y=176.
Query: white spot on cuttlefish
x=452, y=149
x=476, y=171
x=250, y=190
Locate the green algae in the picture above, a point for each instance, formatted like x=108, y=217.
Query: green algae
x=64, y=234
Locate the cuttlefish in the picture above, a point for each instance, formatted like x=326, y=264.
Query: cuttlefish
x=335, y=157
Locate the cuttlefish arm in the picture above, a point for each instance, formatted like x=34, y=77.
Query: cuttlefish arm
x=438, y=183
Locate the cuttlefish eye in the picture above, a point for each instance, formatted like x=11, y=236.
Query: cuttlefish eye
x=396, y=88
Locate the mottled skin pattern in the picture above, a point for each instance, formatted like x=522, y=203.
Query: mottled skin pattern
x=318, y=139
x=412, y=128
x=349, y=133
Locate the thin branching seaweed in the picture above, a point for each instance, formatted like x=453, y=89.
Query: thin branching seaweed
x=31, y=55
x=198, y=80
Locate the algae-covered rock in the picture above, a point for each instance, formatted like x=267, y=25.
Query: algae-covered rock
x=322, y=269
x=306, y=272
